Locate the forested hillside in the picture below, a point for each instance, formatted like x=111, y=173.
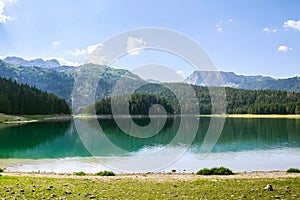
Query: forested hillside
x=262, y=101
x=48, y=80
x=60, y=82
x=22, y=99
x=139, y=104
x=239, y=101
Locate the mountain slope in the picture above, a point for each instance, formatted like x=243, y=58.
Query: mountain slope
x=61, y=81
x=51, y=81
x=230, y=79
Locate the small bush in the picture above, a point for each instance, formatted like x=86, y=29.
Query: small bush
x=204, y=171
x=293, y=170
x=80, y=173
x=215, y=171
x=1, y=170
x=105, y=173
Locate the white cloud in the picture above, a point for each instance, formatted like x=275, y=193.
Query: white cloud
x=219, y=27
x=97, y=59
x=88, y=50
x=284, y=48
x=292, y=24
x=135, y=45
x=269, y=30
x=179, y=72
x=222, y=23
x=4, y=18
x=92, y=48
x=95, y=55
x=63, y=61
x=56, y=43
x=78, y=52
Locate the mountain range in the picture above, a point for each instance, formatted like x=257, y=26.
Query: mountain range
x=39, y=62
x=52, y=77
x=58, y=79
x=230, y=79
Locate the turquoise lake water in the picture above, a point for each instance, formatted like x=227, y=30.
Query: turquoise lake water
x=245, y=144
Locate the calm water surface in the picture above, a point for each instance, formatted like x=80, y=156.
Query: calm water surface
x=244, y=145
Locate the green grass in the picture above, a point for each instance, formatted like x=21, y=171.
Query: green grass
x=293, y=170
x=215, y=171
x=147, y=188
x=4, y=118
x=81, y=173
x=105, y=173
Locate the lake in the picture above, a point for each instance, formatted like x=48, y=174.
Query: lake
x=245, y=144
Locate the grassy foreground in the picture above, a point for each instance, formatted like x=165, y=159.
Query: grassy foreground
x=147, y=187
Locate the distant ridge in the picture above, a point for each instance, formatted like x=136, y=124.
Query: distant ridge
x=230, y=79
x=39, y=62
x=60, y=80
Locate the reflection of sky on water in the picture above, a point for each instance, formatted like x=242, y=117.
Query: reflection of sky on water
x=245, y=145
x=261, y=160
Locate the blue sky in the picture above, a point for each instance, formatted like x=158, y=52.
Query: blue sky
x=246, y=37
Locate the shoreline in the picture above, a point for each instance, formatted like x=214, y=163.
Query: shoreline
x=6, y=120
x=267, y=116
x=160, y=176
x=254, y=185
x=271, y=116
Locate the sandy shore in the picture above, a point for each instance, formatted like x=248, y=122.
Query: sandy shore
x=165, y=176
x=11, y=119
x=255, y=116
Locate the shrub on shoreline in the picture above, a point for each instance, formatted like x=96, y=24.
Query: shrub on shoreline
x=1, y=170
x=105, y=173
x=81, y=173
x=215, y=171
x=293, y=170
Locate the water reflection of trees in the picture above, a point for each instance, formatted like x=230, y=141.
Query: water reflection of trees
x=240, y=134
x=40, y=140
x=129, y=143
x=60, y=139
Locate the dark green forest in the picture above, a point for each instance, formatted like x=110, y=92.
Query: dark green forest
x=262, y=102
x=22, y=99
x=139, y=104
x=239, y=101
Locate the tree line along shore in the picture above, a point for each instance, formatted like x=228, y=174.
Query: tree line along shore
x=21, y=99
